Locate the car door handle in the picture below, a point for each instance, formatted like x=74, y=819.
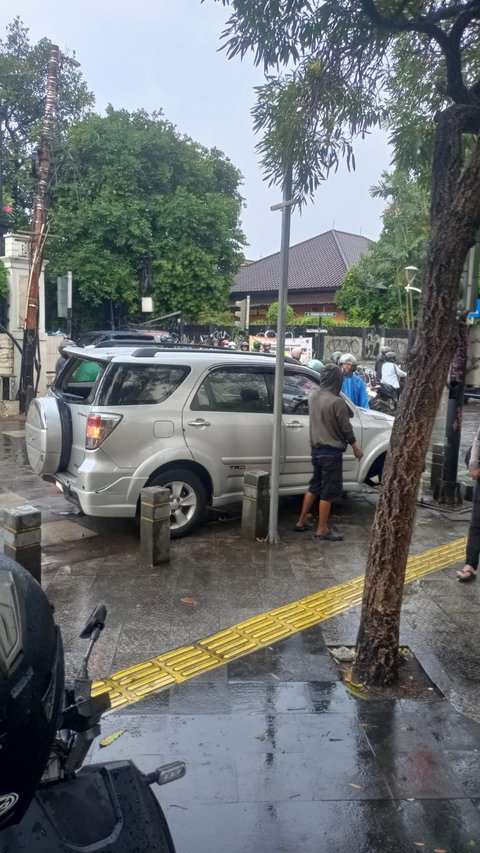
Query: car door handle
x=295, y=425
x=200, y=422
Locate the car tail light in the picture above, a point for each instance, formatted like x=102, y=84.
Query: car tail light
x=99, y=428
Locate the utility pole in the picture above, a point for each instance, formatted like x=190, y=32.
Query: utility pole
x=4, y=219
x=448, y=490
x=30, y=361
x=286, y=207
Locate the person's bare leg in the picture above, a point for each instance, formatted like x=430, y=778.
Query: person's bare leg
x=324, y=512
x=308, y=501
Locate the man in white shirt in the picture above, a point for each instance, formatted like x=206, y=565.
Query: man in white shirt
x=391, y=372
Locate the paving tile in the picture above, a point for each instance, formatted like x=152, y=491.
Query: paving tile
x=289, y=827
x=452, y=825
x=55, y=532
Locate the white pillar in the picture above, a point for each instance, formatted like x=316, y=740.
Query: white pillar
x=17, y=264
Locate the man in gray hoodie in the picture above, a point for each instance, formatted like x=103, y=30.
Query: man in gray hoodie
x=330, y=433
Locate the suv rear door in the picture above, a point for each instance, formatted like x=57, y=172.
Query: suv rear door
x=75, y=385
x=228, y=424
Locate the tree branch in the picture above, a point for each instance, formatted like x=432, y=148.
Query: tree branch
x=415, y=25
x=449, y=43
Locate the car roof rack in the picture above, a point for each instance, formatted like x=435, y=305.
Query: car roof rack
x=151, y=351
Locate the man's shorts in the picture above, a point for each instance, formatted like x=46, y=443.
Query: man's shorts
x=327, y=481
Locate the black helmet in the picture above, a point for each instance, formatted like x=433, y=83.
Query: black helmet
x=31, y=687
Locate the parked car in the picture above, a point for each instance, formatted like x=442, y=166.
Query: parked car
x=92, y=339
x=117, y=420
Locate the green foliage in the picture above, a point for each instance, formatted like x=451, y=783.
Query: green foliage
x=3, y=280
x=311, y=322
x=352, y=65
x=373, y=291
x=23, y=69
x=134, y=187
x=272, y=314
x=220, y=319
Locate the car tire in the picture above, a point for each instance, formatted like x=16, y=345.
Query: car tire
x=188, y=499
x=375, y=471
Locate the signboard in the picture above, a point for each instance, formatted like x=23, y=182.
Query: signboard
x=320, y=314
x=305, y=345
x=62, y=296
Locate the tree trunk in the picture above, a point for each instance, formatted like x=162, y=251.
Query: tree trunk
x=455, y=219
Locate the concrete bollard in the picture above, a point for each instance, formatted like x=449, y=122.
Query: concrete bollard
x=22, y=538
x=155, y=525
x=256, y=504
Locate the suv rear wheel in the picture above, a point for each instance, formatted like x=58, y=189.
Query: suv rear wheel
x=188, y=499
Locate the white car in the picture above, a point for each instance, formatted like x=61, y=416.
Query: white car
x=193, y=420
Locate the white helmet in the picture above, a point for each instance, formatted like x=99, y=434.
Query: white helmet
x=348, y=358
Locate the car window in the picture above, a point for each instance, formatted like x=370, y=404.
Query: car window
x=140, y=384
x=79, y=377
x=233, y=390
x=297, y=386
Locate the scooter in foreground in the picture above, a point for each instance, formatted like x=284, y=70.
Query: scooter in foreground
x=49, y=801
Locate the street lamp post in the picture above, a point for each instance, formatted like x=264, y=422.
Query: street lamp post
x=410, y=274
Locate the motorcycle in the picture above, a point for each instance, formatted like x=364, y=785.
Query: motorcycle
x=385, y=399
x=99, y=808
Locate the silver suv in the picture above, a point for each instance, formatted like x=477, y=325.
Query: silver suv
x=117, y=420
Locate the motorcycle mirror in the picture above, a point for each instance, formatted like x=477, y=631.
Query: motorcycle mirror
x=96, y=620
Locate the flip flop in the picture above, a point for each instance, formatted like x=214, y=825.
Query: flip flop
x=301, y=528
x=467, y=574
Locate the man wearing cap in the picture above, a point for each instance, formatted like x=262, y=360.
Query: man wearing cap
x=330, y=434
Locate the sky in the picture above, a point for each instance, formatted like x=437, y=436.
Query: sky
x=165, y=54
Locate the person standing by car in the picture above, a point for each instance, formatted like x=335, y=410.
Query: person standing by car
x=469, y=571
x=353, y=386
x=330, y=433
x=62, y=358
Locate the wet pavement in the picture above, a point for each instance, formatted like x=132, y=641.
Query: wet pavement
x=280, y=756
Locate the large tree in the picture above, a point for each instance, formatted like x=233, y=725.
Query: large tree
x=138, y=202
x=23, y=70
x=351, y=59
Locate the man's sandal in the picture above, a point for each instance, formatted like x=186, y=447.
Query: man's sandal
x=467, y=574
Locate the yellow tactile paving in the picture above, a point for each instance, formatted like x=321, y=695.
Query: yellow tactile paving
x=133, y=684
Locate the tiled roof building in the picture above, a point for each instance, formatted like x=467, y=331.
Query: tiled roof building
x=316, y=270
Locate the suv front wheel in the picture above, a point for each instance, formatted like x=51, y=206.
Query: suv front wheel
x=188, y=499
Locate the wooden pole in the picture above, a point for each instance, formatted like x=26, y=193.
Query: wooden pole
x=30, y=339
